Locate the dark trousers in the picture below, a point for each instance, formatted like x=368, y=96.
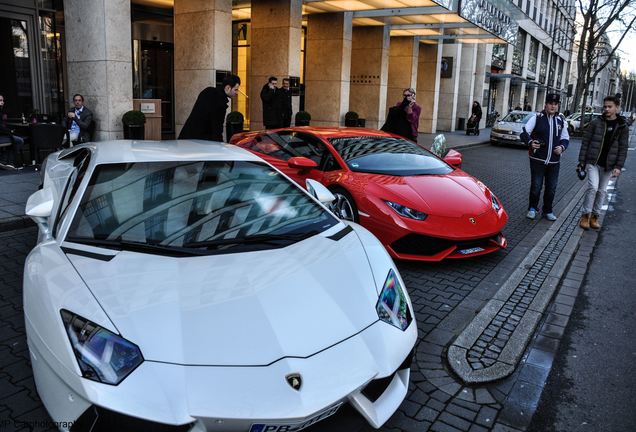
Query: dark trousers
x=540, y=172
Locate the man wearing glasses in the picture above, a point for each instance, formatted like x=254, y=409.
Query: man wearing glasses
x=412, y=109
x=79, y=121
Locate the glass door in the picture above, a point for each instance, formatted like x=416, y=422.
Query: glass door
x=153, y=78
x=16, y=77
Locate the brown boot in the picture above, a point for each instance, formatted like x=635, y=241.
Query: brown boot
x=585, y=221
x=594, y=222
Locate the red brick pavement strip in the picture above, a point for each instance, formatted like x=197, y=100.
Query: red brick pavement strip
x=513, y=313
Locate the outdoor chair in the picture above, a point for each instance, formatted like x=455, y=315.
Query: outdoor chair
x=47, y=138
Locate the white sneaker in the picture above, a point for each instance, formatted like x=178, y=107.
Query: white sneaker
x=532, y=213
x=550, y=216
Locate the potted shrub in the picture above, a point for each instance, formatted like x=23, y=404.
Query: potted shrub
x=134, y=121
x=302, y=118
x=233, y=124
x=351, y=119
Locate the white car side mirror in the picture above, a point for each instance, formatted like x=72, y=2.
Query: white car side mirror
x=320, y=192
x=39, y=207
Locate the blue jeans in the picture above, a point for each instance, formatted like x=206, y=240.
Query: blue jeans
x=16, y=148
x=540, y=172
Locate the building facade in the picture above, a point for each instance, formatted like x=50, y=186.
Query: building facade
x=339, y=55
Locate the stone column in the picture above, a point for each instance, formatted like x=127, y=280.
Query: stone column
x=532, y=98
x=369, y=73
x=202, y=45
x=275, y=50
x=428, y=83
x=328, y=66
x=482, y=86
x=503, y=87
x=447, y=117
x=403, y=61
x=99, y=60
x=466, y=83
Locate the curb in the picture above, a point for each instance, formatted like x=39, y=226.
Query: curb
x=16, y=222
x=524, y=324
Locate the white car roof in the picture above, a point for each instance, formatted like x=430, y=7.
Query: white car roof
x=119, y=151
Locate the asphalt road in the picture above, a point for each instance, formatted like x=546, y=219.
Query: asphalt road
x=591, y=388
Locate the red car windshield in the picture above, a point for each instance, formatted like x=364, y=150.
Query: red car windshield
x=389, y=156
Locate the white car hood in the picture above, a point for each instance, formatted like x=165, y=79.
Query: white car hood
x=237, y=309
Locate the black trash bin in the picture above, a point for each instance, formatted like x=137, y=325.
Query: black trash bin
x=461, y=123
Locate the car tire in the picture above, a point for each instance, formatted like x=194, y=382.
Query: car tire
x=344, y=206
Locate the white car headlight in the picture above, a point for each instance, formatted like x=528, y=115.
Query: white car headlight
x=101, y=355
x=405, y=211
x=392, y=306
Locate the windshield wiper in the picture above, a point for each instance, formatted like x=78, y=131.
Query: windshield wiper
x=258, y=238
x=136, y=246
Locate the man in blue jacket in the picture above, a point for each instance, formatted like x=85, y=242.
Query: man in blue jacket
x=548, y=137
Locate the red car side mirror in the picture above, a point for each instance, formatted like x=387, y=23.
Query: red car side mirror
x=453, y=158
x=300, y=162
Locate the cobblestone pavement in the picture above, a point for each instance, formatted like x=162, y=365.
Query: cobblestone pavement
x=436, y=289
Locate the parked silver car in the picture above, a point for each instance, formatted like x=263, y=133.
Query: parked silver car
x=508, y=129
x=574, y=120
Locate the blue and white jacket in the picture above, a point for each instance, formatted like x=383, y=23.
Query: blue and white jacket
x=549, y=129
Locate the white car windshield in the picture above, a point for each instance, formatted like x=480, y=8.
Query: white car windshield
x=519, y=117
x=206, y=206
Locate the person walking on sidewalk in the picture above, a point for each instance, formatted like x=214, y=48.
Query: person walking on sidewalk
x=548, y=138
x=603, y=153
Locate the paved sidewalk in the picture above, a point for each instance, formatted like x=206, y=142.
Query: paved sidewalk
x=17, y=186
x=15, y=189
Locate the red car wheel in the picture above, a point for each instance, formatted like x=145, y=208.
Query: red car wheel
x=344, y=206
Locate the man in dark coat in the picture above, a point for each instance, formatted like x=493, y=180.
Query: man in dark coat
x=397, y=121
x=603, y=153
x=208, y=113
x=271, y=111
x=284, y=96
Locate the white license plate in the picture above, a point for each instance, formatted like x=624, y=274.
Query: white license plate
x=292, y=427
x=470, y=251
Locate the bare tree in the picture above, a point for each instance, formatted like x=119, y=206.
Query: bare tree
x=599, y=17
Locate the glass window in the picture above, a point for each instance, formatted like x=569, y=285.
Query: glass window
x=518, y=52
x=532, y=60
x=300, y=145
x=390, y=156
x=267, y=146
x=241, y=46
x=16, y=67
x=499, y=55
x=51, y=54
x=194, y=208
x=543, y=67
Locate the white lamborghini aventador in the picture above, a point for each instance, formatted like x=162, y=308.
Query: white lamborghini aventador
x=190, y=286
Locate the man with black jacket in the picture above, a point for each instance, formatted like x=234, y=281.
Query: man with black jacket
x=269, y=97
x=603, y=153
x=547, y=137
x=208, y=113
x=284, y=95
